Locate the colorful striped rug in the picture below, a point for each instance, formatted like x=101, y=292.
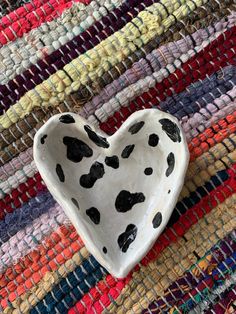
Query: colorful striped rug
x=105, y=59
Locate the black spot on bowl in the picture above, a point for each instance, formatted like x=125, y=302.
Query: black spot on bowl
x=112, y=161
x=171, y=129
x=60, y=173
x=135, y=128
x=104, y=250
x=127, y=237
x=67, y=118
x=157, y=220
x=171, y=164
x=76, y=149
x=97, y=139
x=96, y=172
x=148, y=171
x=126, y=200
x=75, y=202
x=94, y=215
x=42, y=140
x=153, y=140
x=127, y=151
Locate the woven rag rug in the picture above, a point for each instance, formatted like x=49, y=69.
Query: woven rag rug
x=105, y=59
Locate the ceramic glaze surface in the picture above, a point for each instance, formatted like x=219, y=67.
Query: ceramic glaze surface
x=118, y=191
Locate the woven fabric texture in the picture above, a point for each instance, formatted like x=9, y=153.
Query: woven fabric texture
x=105, y=60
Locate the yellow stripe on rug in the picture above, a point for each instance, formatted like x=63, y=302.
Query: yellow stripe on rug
x=151, y=22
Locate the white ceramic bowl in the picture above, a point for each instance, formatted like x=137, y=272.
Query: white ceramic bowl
x=118, y=191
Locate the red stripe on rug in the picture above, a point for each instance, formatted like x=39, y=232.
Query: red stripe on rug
x=30, y=16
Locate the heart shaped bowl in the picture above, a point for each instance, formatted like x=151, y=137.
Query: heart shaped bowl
x=118, y=191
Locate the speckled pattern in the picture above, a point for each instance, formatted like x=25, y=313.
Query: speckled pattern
x=129, y=206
